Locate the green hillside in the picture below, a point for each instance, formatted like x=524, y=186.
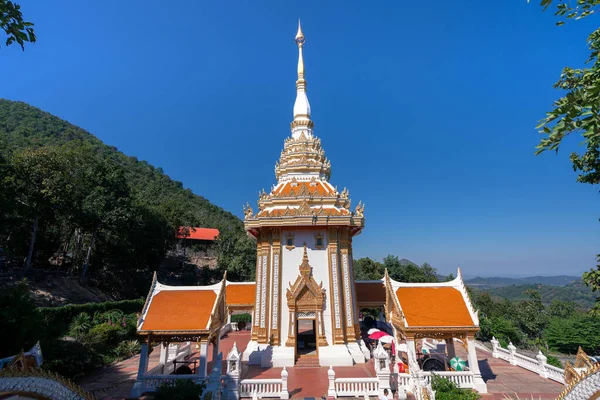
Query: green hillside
x=575, y=291
x=493, y=282
x=97, y=212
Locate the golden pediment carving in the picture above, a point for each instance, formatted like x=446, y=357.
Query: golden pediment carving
x=305, y=293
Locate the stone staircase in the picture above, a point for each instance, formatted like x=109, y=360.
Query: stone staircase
x=307, y=361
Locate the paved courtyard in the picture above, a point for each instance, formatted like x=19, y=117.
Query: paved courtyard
x=503, y=379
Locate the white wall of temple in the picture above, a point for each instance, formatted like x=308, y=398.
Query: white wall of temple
x=291, y=260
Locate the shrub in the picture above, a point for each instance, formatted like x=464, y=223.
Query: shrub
x=554, y=361
x=106, y=334
x=20, y=320
x=241, y=318
x=447, y=390
x=80, y=325
x=71, y=359
x=58, y=318
x=180, y=389
x=127, y=348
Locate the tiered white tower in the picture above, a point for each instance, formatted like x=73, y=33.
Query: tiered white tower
x=304, y=278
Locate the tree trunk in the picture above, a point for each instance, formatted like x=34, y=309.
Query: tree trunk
x=88, y=255
x=36, y=222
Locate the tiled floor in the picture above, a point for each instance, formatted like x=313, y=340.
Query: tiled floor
x=502, y=379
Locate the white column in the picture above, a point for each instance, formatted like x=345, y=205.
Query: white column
x=228, y=316
x=331, y=389
x=202, y=359
x=164, y=353
x=138, y=387
x=450, y=348
x=285, y=394
x=215, y=351
x=480, y=385
x=542, y=359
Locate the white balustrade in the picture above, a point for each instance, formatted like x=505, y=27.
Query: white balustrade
x=357, y=387
x=270, y=388
x=538, y=365
x=463, y=379
x=151, y=382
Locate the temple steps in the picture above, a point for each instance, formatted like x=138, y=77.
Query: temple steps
x=307, y=361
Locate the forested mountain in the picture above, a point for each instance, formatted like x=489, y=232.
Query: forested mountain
x=69, y=201
x=576, y=292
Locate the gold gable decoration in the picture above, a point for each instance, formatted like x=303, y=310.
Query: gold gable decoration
x=582, y=360
x=306, y=294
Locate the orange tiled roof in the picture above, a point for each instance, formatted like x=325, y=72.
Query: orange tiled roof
x=433, y=306
x=179, y=310
x=370, y=292
x=240, y=294
x=197, y=233
x=289, y=190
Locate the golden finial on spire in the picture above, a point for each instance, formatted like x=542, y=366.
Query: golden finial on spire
x=299, y=36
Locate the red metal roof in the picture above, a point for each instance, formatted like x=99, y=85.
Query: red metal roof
x=185, y=232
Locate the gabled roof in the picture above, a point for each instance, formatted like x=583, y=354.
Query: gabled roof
x=182, y=309
x=426, y=306
x=240, y=294
x=186, y=232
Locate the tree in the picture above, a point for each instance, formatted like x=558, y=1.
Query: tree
x=42, y=187
x=18, y=313
x=532, y=316
x=578, y=111
x=11, y=21
x=406, y=271
x=561, y=309
x=367, y=269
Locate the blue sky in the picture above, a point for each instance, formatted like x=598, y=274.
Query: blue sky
x=426, y=109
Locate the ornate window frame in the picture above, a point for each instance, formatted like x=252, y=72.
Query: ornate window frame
x=319, y=236
x=289, y=237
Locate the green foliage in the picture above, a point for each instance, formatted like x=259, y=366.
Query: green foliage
x=241, y=318
x=180, y=389
x=447, y=390
x=531, y=315
x=554, y=361
x=71, y=359
x=107, y=333
x=11, y=22
x=114, y=216
x=366, y=269
x=561, y=308
x=237, y=255
x=21, y=320
x=567, y=334
x=80, y=325
x=58, y=318
x=127, y=348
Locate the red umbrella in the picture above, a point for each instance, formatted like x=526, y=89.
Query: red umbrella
x=377, y=335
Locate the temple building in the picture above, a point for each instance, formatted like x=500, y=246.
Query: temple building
x=305, y=304
x=305, y=290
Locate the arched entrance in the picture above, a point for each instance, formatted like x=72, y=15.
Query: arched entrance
x=306, y=300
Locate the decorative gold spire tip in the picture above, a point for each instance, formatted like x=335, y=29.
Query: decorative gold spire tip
x=300, y=36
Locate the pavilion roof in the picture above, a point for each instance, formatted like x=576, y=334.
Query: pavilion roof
x=182, y=310
x=240, y=294
x=197, y=233
x=427, y=306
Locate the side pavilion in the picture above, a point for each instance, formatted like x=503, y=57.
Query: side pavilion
x=438, y=311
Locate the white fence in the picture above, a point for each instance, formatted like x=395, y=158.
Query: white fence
x=355, y=387
x=265, y=388
x=537, y=365
x=463, y=379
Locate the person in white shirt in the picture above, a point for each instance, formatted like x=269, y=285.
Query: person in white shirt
x=385, y=395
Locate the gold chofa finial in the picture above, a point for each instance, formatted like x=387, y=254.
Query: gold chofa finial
x=299, y=36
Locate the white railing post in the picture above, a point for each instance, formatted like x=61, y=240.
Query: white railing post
x=331, y=389
x=495, y=344
x=511, y=358
x=284, y=386
x=542, y=359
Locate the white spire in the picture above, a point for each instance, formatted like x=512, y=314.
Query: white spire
x=302, y=121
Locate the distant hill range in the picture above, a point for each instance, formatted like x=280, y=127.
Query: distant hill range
x=497, y=282
x=562, y=287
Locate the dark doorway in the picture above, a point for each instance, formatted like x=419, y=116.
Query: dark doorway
x=306, y=337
